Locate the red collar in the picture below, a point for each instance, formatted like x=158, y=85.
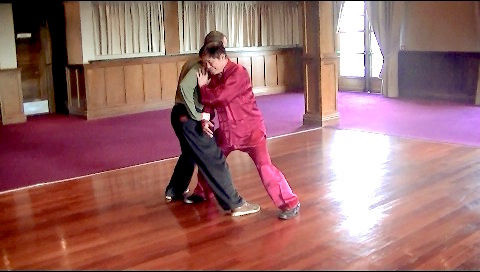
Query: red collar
x=228, y=68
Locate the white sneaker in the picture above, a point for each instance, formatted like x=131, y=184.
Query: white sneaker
x=246, y=208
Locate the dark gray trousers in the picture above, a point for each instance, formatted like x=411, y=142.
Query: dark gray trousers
x=198, y=148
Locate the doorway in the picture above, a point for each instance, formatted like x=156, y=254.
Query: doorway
x=360, y=57
x=41, y=55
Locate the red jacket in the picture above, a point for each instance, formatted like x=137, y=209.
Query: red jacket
x=240, y=120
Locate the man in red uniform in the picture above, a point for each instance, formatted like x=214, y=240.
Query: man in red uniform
x=228, y=91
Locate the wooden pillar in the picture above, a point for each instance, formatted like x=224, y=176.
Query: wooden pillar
x=73, y=30
x=11, y=97
x=320, y=63
x=171, y=23
x=477, y=95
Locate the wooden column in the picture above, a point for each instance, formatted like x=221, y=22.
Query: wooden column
x=172, y=40
x=73, y=30
x=11, y=97
x=477, y=95
x=320, y=63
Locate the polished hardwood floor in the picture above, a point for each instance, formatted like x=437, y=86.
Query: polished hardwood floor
x=369, y=202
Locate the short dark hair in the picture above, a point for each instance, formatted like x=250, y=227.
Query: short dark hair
x=212, y=49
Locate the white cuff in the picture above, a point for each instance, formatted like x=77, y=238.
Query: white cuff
x=206, y=116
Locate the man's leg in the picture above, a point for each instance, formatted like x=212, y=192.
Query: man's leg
x=183, y=171
x=182, y=174
x=212, y=164
x=202, y=191
x=272, y=178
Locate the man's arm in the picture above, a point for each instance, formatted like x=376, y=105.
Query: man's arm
x=187, y=88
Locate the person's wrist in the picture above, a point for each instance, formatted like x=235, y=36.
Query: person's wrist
x=206, y=116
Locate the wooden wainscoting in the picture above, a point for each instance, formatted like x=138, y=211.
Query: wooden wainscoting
x=329, y=84
x=358, y=84
x=123, y=86
x=11, y=97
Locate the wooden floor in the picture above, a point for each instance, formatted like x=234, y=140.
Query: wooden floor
x=369, y=202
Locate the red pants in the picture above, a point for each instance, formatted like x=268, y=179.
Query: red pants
x=273, y=179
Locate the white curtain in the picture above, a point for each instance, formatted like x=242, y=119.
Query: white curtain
x=245, y=23
x=279, y=23
x=386, y=17
x=192, y=14
x=128, y=27
x=337, y=13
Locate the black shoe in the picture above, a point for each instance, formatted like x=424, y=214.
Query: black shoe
x=194, y=198
x=171, y=196
x=287, y=214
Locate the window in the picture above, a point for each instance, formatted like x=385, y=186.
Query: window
x=360, y=54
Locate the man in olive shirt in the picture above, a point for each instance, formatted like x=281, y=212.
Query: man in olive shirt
x=200, y=149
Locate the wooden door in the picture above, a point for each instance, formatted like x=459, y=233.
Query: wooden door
x=33, y=46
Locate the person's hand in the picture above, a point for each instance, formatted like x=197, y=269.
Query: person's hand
x=207, y=127
x=202, y=77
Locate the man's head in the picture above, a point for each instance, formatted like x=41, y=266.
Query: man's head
x=214, y=57
x=215, y=36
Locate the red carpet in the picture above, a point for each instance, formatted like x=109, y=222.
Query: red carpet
x=433, y=120
x=54, y=147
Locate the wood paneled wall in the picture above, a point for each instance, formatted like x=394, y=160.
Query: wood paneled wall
x=358, y=84
x=11, y=97
x=329, y=86
x=122, y=86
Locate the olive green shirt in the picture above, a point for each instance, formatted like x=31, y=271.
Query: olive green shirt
x=188, y=92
